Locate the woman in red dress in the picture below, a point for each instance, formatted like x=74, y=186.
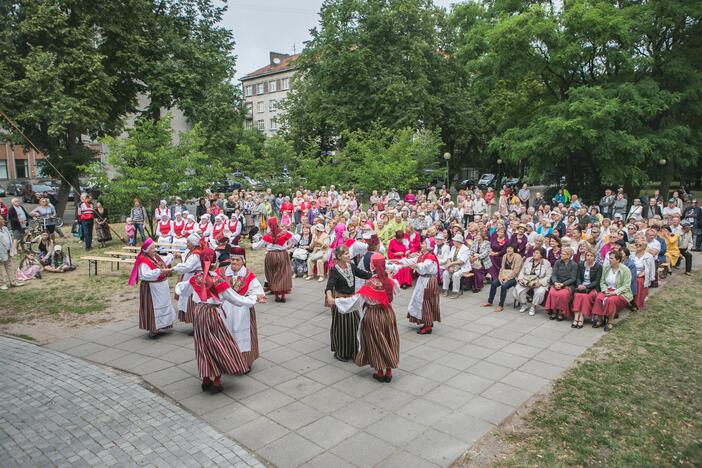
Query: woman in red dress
x=398, y=248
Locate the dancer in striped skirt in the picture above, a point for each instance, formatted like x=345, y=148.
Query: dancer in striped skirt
x=276, y=266
x=342, y=283
x=241, y=320
x=423, y=307
x=215, y=350
x=155, y=309
x=379, y=341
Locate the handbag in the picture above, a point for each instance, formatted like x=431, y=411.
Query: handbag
x=75, y=229
x=300, y=254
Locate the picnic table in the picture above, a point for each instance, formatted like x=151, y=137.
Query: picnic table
x=93, y=261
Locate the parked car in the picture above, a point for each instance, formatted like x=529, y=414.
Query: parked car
x=225, y=185
x=2, y=191
x=467, y=183
x=15, y=189
x=253, y=183
x=486, y=180
x=33, y=192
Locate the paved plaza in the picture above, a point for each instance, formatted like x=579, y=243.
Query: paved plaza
x=57, y=410
x=299, y=406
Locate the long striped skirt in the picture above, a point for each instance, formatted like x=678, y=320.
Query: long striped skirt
x=278, y=271
x=146, y=308
x=344, y=329
x=380, y=341
x=187, y=315
x=430, y=305
x=251, y=356
x=216, y=351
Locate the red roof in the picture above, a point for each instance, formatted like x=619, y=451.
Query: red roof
x=285, y=64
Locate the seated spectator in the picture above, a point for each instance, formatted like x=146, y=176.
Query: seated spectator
x=534, y=276
x=645, y=271
x=685, y=246
x=586, y=288
x=59, y=262
x=506, y=278
x=563, y=278
x=29, y=268
x=615, y=293
x=479, y=260
x=672, y=251
x=45, y=247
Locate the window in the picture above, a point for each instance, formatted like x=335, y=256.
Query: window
x=261, y=125
x=259, y=88
x=285, y=83
x=249, y=90
x=259, y=106
x=272, y=86
x=274, y=124
x=21, y=169
x=3, y=169
x=248, y=124
x=272, y=104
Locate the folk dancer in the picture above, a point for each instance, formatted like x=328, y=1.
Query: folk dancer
x=423, y=307
x=187, y=269
x=164, y=228
x=161, y=210
x=180, y=238
x=204, y=228
x=378, y=339
x=156, y=312
x=241, y=319
x=276, y=265
x=342, y=283
x=216, y=351
x=219, y=231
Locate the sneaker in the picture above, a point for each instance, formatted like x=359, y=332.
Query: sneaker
x=446, y=292
x=321, y=279
x=4, y=287
x=532, y=310
x=524, y=308
x=18, y=284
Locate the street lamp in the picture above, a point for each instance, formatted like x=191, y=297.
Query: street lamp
x=499, y=172
x=447, y=157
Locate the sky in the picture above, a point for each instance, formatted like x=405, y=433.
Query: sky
x=262, y=26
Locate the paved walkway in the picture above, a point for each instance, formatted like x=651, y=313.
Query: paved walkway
x=299, y=406
x=57, y=410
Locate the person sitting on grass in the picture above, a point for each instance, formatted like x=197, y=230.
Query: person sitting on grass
x=59, y=262
x=29, y=268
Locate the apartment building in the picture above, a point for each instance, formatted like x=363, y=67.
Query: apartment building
x=264, y=89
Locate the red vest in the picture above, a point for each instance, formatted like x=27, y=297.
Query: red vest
x=218, y=232
x=178, y=228
x=164, y=229
x=86, y=211
x=154, y=263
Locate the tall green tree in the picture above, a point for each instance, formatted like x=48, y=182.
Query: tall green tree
x=147, y=163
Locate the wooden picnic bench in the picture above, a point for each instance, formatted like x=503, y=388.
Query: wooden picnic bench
x=94, y=260
x=137, y=249
x=113, y=253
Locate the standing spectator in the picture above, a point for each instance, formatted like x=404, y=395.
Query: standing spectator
x=3, y=209
x=619, y=206
x=524, y=195
x=6, y=257
x=606, y=204
x=102, y=228
x=86, y=214
x=177, y=207
x=138, y=217
x=671, y=210
x=685, y=244
x=636, y=211
x=652, y=209
x=18, y=222
x=693, y=216
x=47, y=213
x=201, y=208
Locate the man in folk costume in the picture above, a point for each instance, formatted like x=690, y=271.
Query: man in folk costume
x=187, y=269
x=180, y=238
x=423, y=307
x=164, y=228
x=205, y=226
x=219, y=231
x=379, y=341
x=276, y=266
x=216, y=351
x=155, y=309
x=342, y=283
x=457, y=264
x=241, y=319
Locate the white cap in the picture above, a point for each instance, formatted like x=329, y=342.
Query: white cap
x=194, y=239
x=192, y=218
x=163, y=202
x=458, y=238
x=439, y=236
x=205, y=216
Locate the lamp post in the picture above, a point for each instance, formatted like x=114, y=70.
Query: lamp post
x=447, y=157
x=499, y=173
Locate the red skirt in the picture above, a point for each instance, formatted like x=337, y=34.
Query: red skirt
x=641, y=293
x=216, y=352
x=404, y=276
x=582, y=302
x=278, y=270
x=611, y=306
x=430, y=305
x=559, y=300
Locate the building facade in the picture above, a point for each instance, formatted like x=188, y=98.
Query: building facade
x=264, y=90
x=19, y=162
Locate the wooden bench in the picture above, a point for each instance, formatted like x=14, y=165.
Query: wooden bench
x=136, y=250
x=121, y=254
x=94, y=260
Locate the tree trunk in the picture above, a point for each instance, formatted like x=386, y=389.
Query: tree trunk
x=666, y=179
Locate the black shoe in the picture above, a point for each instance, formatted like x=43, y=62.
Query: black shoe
x=551, y=317
x=216, y=389
x=282, y=300
x=379, y=378
x=191, y=333
x=342, y=359
x=153, y=336
x=206, y=385
x=387, y=378
x=277, y=299
x=559, y=318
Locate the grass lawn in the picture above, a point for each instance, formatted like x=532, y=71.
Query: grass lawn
x=635, y=401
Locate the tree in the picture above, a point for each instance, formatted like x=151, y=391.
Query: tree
x=147, y=163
